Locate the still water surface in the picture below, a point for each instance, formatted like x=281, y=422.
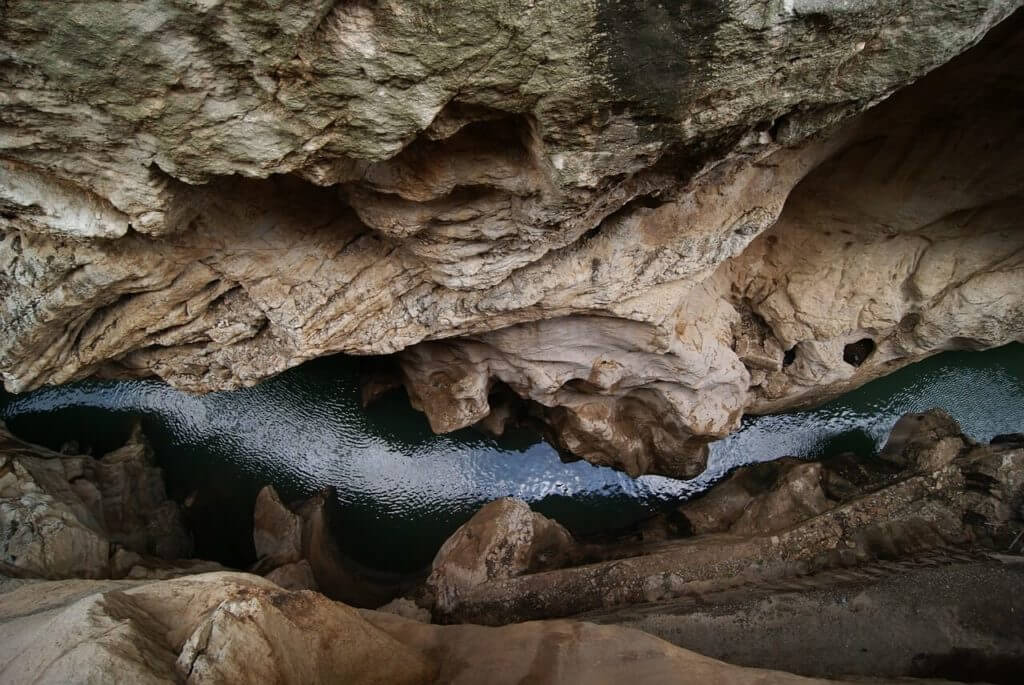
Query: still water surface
x=402, y=490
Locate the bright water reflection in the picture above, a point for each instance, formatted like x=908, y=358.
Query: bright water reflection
x=403, y=489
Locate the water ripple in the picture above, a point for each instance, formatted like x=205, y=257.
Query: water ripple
x=403, y=490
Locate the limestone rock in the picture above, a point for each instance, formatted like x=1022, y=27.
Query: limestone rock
x=889, y=248
x=211, y=628
x=277, y=531
x=551, y=652
x=231, y=627
x=760, y=499
x=770, y=524
x=297, y=549
x=214, y=192
x=297, y=575
x=502, y=540
x=74, y=515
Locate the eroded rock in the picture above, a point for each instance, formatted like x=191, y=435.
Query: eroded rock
x=255, y=186
x=232, y=627
x=503, y=540
x=74, y=515
x=296, y=548
x=935, y=491
x=890, y=248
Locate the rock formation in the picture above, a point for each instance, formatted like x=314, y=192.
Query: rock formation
x=64, y=516
x=502, y=540
x=936, y=492
x=236, y=628
x=296, y=547
x=923, y=509
x=646, y=219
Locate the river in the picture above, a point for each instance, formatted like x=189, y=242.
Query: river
x=402, y=490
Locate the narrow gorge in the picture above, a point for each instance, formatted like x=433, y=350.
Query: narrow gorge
x=686, y=336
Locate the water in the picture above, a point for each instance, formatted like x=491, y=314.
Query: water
x=402, y=490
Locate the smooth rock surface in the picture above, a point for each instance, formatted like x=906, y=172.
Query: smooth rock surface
x=231, y=627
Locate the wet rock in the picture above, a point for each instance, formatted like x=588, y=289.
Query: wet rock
x=73, y=515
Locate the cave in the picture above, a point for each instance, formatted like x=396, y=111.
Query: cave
x=449, y=313
x=856, y=353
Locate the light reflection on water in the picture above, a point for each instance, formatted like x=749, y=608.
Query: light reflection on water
x=403, y=490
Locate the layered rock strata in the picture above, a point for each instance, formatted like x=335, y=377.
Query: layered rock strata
x=936, y=494
x=899, y=238
x=668, y=211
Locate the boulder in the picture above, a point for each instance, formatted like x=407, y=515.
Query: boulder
x=277, y=531
x=210, y=628
x=504, y=539
x=297, y=548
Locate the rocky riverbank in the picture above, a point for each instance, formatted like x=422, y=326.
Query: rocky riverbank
x=774, y=544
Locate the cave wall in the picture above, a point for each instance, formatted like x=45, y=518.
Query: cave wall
x=578, y=198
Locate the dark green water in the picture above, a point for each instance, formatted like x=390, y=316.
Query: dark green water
x=402, y=490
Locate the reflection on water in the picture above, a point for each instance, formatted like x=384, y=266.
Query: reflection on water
x=403, y=490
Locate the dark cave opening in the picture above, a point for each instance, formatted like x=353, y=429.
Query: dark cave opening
x=856, y=353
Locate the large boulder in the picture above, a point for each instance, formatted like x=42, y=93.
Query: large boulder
x=503, y=540
x=212, y=628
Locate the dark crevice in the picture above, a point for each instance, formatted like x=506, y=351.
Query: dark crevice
x=856, y=353
x=789, y=357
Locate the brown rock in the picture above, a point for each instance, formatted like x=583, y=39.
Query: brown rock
x=66, y=515
x=297, y=575
x=277, y=531
x=784, y=526
x=212, y=628
x=502, y=540
x=504, y=183
x=230, y=627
